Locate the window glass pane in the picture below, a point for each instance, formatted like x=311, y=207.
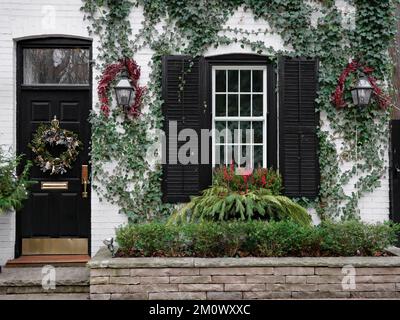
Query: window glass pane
x=245, y=131
x=258, y=157
x=232, y=155
x=220, y=127
x=233, y=134
x=258, y=81
x=245, y=157
x=245, y=80
x=258, y=131
x=56, y=66
x=248, y=86
x=233, y=80
x=220, y=105
x=257, y=105
x=220, y=79
x=233, y=106
x=219, y=155
x=245, y=105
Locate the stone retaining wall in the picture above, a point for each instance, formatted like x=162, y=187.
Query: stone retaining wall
x=242, y=278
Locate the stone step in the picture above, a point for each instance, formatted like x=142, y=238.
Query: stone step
x=39, y=289
x=28, y=281
x=49, y=296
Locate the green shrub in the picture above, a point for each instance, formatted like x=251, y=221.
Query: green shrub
x=13, y=189
x=255, y=238
x=353, y=238
x=219, y=203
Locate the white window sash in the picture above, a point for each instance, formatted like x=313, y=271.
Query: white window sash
x=262, y=118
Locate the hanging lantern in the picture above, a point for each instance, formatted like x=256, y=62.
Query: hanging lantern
x=124, y=92
x=362, y=92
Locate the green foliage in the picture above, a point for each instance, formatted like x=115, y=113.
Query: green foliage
x=353, y=237
x=13, y=188
x=255, y=238
x=192, y=26
x=220, y=203
x=130, y=184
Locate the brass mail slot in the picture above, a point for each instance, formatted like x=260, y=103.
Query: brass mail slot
x=55, y=185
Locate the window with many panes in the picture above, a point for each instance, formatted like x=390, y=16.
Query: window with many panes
x=239, y=102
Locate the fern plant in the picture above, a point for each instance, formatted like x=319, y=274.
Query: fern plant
x=220, y=203
x=13, y=188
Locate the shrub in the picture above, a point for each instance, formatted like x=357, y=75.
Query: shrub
x=255, y=238
x=13, y=189
x=353, y=238
x=219, y=203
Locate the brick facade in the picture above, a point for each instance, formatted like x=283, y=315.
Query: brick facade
x=20, y=19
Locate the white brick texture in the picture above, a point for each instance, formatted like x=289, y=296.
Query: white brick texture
x=32, y=18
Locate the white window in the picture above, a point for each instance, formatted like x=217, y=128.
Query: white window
x=239, y=115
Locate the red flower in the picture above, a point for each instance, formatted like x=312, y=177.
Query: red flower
x=263, y=181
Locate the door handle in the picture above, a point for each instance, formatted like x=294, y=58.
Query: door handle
x=85, y=180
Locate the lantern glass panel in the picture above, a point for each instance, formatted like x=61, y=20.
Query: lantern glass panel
x=124, y=92
x=123, y=96
x=354, y=95
x=361, y=94
x=364, y=96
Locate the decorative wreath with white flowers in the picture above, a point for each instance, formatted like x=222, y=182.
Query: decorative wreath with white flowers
x=52, y=135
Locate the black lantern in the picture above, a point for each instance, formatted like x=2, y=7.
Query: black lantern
x=361, y=92
x=124, y=91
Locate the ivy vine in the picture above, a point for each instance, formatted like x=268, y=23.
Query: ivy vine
x=309, y=28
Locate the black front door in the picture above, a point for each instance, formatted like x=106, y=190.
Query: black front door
x=395, y=171
x=54, y=80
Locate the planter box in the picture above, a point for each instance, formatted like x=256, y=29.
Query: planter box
x=243, y=278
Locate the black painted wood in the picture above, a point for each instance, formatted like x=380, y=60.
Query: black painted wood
x=185, y=107
x=395, y=171
x=53, y=213
x=298, y=143
x=192, y=109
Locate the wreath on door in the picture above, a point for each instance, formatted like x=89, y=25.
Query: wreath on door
x=51, y=136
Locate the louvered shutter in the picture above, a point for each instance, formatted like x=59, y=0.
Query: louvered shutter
x=298, y=120
x=188, y=108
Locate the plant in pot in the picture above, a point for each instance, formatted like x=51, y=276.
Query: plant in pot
x=250, y=195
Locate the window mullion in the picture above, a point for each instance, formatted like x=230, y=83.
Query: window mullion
x=238, y=120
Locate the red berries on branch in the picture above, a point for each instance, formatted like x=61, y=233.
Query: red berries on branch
x=109, y=75
x=338, y=95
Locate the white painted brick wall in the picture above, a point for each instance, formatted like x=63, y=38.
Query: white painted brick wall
x=27, y=18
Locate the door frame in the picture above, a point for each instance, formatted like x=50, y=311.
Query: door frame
x=48, y=42
x=393, y=165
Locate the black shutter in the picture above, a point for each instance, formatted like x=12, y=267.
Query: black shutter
x=298, y=120
x=188, y=108
x=394, y=158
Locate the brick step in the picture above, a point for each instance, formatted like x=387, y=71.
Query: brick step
x=55, y=260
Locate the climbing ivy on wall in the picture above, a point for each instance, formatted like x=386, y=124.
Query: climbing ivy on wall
x=191, y=27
